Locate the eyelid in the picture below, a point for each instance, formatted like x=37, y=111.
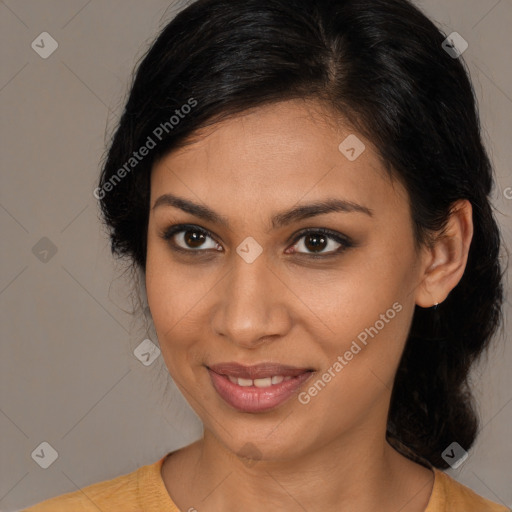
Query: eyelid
x=169, y=232
x=344, y=241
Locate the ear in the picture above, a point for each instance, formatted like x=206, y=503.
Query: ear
x=445, y=261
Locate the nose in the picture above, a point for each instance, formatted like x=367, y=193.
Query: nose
x=252, y=307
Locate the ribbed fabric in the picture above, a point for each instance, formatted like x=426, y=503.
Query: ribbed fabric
x=448, y=495
x=143, y=490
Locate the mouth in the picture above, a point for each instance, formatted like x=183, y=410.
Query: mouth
x=257, y=388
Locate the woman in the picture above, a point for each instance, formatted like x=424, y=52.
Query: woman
x=304, y=187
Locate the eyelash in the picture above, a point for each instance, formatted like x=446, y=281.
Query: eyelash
x=345, y=242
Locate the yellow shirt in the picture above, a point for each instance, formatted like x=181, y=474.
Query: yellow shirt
x=144, y=491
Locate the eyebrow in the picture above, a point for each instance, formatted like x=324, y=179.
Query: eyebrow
x=278, y=220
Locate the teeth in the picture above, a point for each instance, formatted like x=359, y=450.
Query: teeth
x=263, y=383
x=259, y=383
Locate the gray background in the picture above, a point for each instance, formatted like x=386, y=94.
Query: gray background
x=68, y=374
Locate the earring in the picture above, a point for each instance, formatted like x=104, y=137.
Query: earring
x=436, y=331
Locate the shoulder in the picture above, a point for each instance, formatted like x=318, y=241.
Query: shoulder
x=121, y=494
x=448, y=495
x=118, y=491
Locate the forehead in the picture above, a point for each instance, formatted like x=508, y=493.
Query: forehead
x=281, y=153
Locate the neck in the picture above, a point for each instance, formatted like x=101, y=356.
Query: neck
x=363, y=473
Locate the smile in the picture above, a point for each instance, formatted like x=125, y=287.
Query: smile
x=259, y=383
x=258, y=388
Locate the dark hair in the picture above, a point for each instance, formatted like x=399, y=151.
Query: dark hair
x=380, y=65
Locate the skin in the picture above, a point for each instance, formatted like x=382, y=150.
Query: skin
x=331, y=453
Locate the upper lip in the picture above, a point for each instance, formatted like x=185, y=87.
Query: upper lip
x=257, y=371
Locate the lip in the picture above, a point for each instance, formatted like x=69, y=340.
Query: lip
x=252, y=399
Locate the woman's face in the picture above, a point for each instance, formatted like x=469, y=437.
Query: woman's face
x=254, y=293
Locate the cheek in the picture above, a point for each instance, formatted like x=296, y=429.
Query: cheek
x=369, y=343
x=170, y=287
x=359, y=370
x=361, y=294
x=166, y=300
x=368, y=310
x=176, y=296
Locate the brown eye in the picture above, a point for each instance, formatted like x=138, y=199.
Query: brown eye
x=193, y=238
x=189, y=239
x=316, y=241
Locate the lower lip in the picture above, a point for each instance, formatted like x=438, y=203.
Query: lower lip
x=253, y=399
